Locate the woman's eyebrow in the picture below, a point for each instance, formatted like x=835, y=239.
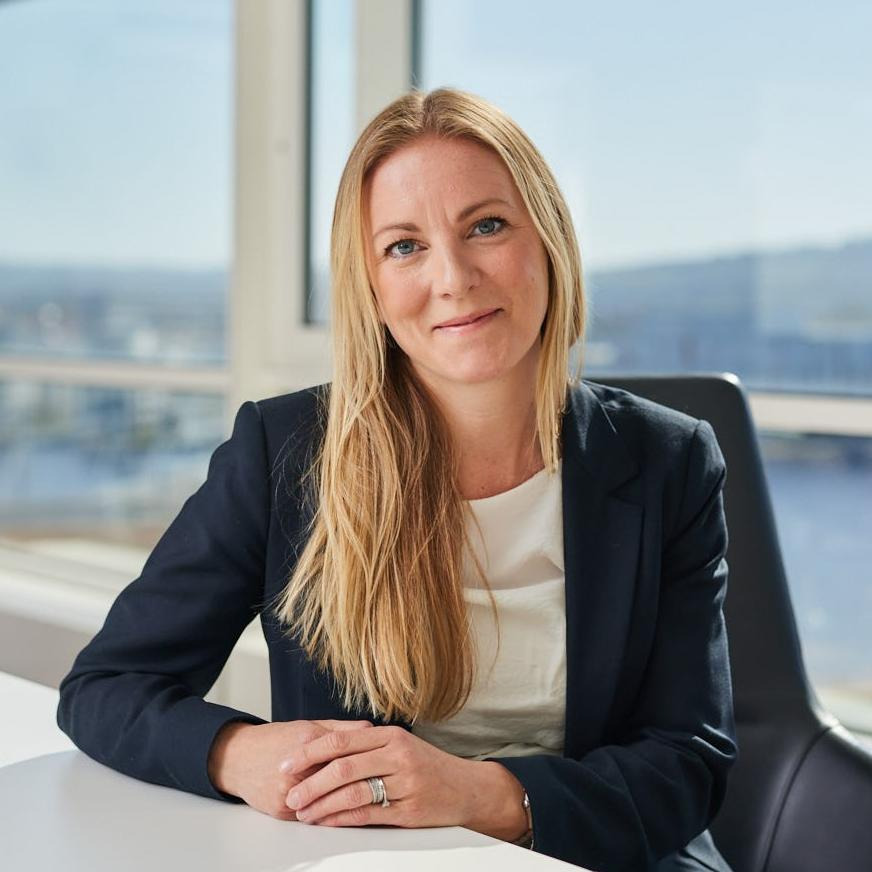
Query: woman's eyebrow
x=464, y=213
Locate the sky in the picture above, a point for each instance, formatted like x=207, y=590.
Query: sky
x=115, y=131
x=676, y=130
x=680, y=128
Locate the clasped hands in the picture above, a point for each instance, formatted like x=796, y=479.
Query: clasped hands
x=316, y=771
x=426, y=786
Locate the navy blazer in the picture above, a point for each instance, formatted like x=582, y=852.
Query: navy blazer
x=649, y=731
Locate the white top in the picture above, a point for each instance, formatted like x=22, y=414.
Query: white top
x=517, y=705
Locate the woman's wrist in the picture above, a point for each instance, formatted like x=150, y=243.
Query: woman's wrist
x=498, y=810
x=222, y=753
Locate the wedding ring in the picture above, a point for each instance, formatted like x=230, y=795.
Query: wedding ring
x=379, y=794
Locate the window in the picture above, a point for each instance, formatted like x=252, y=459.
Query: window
x=115, y=167
x=715, y=164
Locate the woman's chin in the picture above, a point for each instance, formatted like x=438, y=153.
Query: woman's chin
x=472, y=375
x=468, y=369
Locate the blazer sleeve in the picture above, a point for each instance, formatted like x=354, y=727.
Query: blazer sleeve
x=133, y=699
x=623, y=806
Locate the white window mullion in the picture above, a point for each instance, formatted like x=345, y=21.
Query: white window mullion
x=271, y=349
x=384, y=54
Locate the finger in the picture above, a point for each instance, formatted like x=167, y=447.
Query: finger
x=343, y=725
x=285, y=765
x=330, y=725
x=350, y=796
x=338, y=744
x=362, y=816
x=338, y=773
x=323, y=802
x=297, y=777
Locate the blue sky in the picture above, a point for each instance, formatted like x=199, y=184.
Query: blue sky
x=115, y=131
x=679, y=129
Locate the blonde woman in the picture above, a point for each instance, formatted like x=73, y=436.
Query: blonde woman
x=492, y=594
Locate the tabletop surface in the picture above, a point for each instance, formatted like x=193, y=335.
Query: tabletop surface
x=28, y=720
x=63, y=810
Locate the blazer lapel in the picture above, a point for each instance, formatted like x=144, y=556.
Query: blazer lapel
x=601, y=544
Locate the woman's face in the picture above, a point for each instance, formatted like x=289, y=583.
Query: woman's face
x=448, y=237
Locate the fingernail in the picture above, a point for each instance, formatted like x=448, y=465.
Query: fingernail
x=286, y=765
x=294, y=799
x=302, y=816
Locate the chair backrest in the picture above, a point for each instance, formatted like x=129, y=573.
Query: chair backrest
x=800, y=795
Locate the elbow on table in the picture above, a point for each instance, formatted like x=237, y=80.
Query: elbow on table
x=79, y=712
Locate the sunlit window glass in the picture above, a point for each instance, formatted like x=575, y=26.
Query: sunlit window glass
x=100, y=463
x=115, y=172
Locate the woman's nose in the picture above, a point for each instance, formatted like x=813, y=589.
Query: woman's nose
x=454, y=269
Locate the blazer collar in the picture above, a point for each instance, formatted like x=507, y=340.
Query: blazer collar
x=601, y=545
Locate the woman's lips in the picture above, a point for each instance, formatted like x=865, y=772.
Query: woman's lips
x=472, y=325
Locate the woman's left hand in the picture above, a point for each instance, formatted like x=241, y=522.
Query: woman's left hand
x=426, y=787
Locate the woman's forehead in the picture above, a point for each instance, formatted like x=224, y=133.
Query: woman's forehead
x=454, y=170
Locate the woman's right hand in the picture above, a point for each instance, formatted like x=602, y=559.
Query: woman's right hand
x=245, y=760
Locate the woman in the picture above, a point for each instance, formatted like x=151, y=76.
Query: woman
x=492, y=596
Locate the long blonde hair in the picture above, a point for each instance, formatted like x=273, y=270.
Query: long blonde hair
x=376, y=596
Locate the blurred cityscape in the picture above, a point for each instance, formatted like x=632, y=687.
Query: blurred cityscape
x=796, y=320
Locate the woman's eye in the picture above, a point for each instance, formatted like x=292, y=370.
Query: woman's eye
x=393, y=250
x=493, y=223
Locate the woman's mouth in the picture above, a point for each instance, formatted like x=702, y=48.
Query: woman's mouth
x=470, y=326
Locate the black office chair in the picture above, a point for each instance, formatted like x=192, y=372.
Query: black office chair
x=800, y=796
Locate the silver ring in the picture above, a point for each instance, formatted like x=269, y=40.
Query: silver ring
x=379, y=794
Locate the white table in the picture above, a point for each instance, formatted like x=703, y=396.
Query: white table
x=59, y=809
x=28, y=720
